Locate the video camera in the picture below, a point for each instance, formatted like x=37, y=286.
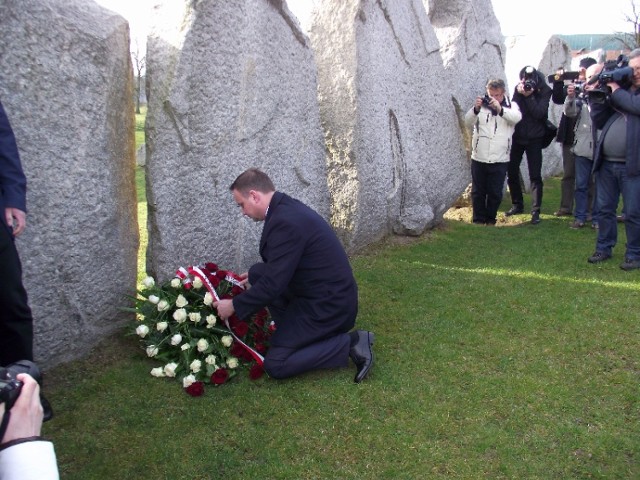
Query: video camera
x=10, y=386
x=617, y=71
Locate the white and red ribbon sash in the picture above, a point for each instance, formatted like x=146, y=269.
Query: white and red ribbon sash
x=183, y=274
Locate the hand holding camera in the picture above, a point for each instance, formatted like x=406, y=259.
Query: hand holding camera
x=22, y=408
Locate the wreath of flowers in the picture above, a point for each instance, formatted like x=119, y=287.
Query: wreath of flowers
x=178, y=326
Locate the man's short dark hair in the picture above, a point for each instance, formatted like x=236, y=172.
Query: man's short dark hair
x=253, y=179
x=496, y=83
x=586, y=62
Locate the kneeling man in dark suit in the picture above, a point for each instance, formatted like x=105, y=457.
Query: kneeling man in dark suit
x=306, y=282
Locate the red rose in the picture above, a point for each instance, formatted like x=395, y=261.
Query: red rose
x=259, y=336
x=236, y=290
x=195, y=389
x=212, y=267
x=272, y=326
x=261, y=348
x=236, y=350
x=221, y=274
x=241, y=329
x=219, y=376
x=256, y=372
x=213, y=280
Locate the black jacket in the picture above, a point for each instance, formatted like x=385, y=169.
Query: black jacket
x=566, y=128
x=535, y=109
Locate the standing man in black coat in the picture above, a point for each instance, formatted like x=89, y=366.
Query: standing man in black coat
x=306, y=282
x=532, y=94
x=16, y=322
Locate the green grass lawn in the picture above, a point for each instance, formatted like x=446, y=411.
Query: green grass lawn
x=501, y=353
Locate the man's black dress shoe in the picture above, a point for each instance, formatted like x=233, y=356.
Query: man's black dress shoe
x=362, y=354
x=514, y=210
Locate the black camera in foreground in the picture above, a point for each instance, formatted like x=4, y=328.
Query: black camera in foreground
x=10, y=386
x=561, y=76
x=617, y=71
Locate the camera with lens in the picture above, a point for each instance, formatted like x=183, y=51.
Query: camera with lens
x=617, y=71
x=486, y=100
x=579, y=89
x=10, y=386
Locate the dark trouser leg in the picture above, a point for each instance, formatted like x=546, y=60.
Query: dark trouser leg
x=495, y=184
x=283, y=362
x=513, y=174
x=608, y=188
x=631, y=199
x=479, y=191
x=534, y=162
x=568, y=179
x=16, y=322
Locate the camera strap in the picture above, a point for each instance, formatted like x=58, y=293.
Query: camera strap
x=5, y=423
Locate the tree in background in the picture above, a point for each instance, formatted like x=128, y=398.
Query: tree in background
x=139, y=62
x=631, y=40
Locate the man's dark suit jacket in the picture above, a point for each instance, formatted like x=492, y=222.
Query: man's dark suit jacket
x=13, y=184
x=306, y=279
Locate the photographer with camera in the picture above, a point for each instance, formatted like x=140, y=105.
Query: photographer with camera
x=493, y=119
x=576, y=110
x=615, y=110
x=24, y=454
x=566, y=129
x=532, y=95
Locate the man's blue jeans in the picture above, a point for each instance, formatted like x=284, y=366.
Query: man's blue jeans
x=611, y=181
x=582, y=190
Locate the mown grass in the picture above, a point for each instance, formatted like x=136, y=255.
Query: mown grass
x=501, y=353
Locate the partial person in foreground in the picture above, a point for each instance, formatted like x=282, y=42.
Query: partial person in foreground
x=16, y=322
x=306, y=282
x=24, y=454
x=493, y=118
x=615, y=110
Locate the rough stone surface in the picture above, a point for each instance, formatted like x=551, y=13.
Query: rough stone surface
x=396, y=159
x=230, y=85
x=65, y=81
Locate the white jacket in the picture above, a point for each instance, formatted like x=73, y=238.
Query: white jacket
x=29, y=461
x=492, y=133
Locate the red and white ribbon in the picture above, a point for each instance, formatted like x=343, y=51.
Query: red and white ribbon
x=197, y=272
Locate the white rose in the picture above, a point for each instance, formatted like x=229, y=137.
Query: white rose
x=175, y=283
x=232, y=362
x=142, y=330
x=176, y=339
x=157, y=372
x=161, y=326
x=195, y=366
x=148, y=282
x=227, y=340
x=195, y=317
x=197, y=283
x=154, y=299
x=163, y=305
x=211, y=320
x=185, y=346
x=211, y=360
x=170, y=369
x=202, y=345
x=208, y=299
x=152, y=351
x=180, y=315
x=181, y=301
x=188, y=380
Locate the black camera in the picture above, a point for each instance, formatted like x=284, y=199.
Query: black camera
x=10, y=386
x=486, y=100
x=561, y=76
x=617, y=71
x=579, y=88
x=529, y=79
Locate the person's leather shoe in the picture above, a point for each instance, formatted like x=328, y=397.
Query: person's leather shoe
x=535, y=218
x=562, y=213
x=362, y=355
x=598, y=257
x=514, y=210
x=629, y=264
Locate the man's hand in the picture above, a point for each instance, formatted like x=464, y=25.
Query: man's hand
x=16, y=219
x=225, y=308
x=26, y=413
